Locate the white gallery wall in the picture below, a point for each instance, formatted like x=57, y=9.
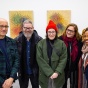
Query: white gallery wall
x=79, y=11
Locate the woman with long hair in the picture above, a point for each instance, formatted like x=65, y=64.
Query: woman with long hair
x=72, y=39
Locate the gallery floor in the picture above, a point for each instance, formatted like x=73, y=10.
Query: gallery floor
x=16, y=85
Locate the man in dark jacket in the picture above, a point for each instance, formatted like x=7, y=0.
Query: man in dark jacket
x=26, y=42
x=9, y=57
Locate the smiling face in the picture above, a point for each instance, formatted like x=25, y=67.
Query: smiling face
x=28, y=29
x=3, y=28
x=70, y=32
x=51, y=34
x=85, y=37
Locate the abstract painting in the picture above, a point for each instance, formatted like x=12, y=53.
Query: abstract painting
x=16, y=18
x=61, y=17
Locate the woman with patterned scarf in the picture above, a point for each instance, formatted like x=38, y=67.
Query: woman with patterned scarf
x=72, y=39
x=83, y=63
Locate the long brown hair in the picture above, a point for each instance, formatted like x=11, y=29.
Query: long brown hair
x=77, y=35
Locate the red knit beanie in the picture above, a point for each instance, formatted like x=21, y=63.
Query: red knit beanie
x=50, y=25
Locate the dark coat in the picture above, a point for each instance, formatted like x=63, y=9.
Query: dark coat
x=72, y=67
x=13, y=56
x=21, y=44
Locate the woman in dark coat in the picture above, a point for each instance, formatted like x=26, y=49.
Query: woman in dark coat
x=72, y=39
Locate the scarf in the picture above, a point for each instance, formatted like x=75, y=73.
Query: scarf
x=74, y=47
x=85, y=55
x=84, y=49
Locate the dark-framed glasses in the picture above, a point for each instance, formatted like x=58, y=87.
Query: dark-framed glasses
x=27, y=28
x=49, y=32
x=3, y=26
x=71, y=31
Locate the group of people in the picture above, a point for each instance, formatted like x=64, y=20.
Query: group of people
x=48, y=62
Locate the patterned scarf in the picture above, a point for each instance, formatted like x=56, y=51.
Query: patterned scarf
x=84, y=49
x=85, y=55
x=74, y=51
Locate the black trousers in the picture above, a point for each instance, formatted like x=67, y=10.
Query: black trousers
x=24, y=82
x=73, y=76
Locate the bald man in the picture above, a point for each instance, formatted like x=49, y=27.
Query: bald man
x=9, y=58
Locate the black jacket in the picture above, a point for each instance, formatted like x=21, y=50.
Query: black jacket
x=21, y=44
x=73, y=65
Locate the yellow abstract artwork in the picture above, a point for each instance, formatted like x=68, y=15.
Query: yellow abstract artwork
x=61, y=17
x=16, y=18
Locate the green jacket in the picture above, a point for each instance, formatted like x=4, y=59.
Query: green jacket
x=57, y=63
x=13, y=56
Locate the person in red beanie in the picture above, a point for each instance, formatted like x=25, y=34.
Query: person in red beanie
x=51, y=58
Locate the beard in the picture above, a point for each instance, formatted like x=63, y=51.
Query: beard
x=28, y=35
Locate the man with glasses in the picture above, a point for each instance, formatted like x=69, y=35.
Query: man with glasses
x=9, y=58
x=26, y=42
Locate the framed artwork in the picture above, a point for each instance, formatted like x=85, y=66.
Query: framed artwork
x=61, y=17
x=16, y=18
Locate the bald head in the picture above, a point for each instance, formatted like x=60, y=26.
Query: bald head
x=3, y=27
x=2, y=19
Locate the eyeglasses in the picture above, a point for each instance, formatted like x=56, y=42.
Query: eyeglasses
x=3, y=26
x=71, y=31
x=27, y=28
x=49, y=32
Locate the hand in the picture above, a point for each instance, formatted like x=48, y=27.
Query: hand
x=8, y=83
x=55, y=75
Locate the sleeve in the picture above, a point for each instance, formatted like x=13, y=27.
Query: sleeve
x=15, y=66
x=1, y=80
